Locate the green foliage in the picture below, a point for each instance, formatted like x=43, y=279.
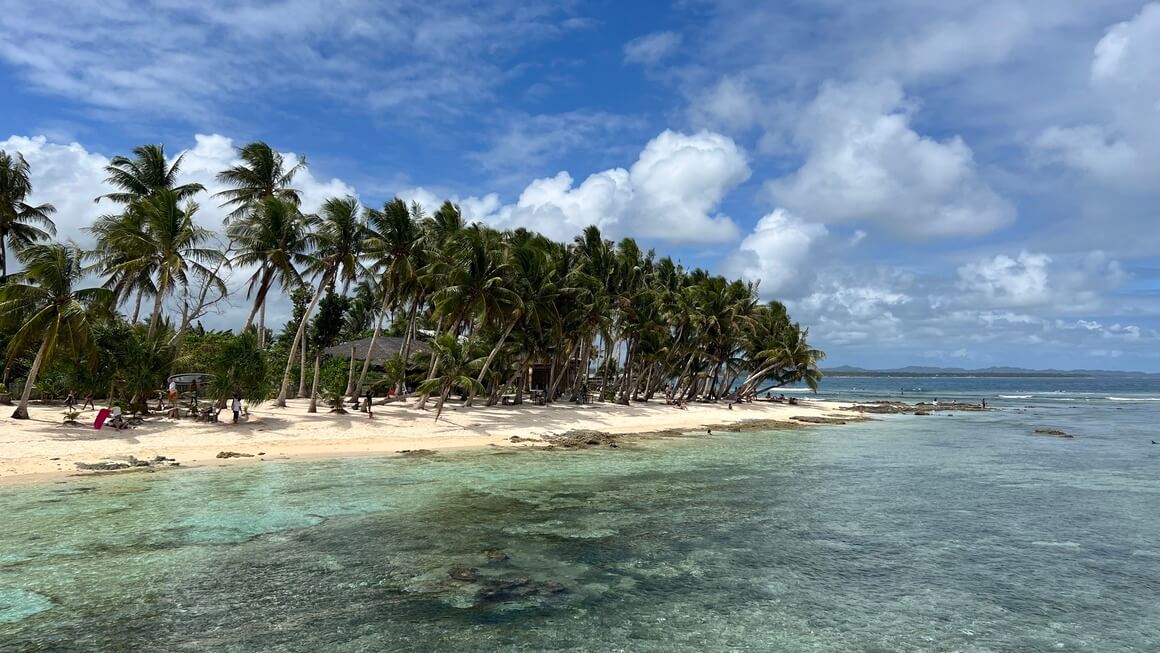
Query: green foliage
x=332, y=377
x=238, y=365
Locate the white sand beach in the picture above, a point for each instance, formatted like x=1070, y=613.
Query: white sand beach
x=42, y=447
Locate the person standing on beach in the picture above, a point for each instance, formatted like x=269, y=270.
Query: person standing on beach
x=370, y=402
x=88, y=402
x=237, y=407
x=70, y=401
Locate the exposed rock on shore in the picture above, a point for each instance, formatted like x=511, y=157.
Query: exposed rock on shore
x=131, y=461
x=234, y=454
x=583, y=439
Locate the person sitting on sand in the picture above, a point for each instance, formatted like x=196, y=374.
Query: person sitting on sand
x=117, y=419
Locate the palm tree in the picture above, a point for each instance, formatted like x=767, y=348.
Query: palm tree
x=392, y=237
x=274, y=238
x=261, y=174
x=145, y=174
x=42, y=303
x=168, y=246
x=337, y=243
x=123, y=258
x=327, y=326
x=21, y=224
x=454, y=369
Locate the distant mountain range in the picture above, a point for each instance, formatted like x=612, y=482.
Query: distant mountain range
x=917, y=370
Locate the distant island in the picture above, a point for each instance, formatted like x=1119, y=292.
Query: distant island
x=1011, y=372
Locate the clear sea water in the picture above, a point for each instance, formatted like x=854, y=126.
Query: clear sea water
x=940, y=533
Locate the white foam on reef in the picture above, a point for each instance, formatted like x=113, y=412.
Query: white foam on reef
x=1132, y=398
x=1016, y=396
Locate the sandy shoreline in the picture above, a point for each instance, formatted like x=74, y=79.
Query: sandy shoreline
x=43, y=449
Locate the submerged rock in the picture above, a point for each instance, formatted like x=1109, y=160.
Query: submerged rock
x=496, y=555
x=464, y=574
x=416, y=452
x=903, y=408
x=812, y=419
x=1055, y=433
x=517, y=588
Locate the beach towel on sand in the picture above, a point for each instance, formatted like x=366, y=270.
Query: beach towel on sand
x=102, y=415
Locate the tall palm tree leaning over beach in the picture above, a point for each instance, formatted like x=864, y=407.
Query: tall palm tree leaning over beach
x=42, y=303
x=392, y=237
x=260, y=176
x=273, y=239
x=21, y=224
x=337, y=241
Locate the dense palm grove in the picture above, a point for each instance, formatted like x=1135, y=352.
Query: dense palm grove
x=602, y=319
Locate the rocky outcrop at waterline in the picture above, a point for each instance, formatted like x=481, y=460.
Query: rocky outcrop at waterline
x=583, y=439
x=903, y=408
x=128, y=463
x=814, y=419
x=234, y=454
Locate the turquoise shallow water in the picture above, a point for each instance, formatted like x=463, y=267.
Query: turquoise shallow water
x=938, y=533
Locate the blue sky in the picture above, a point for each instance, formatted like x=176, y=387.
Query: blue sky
x=962, y=183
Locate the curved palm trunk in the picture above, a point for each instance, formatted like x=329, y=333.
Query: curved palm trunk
x=137, y=306
x=161, y=288
x=262, y=327
x=21, y=411
x=350, y=374
x=301, y=392
x=490, y=358
x=259, y=298
x=626, y=380
x=755, y=378
x=405, y=348
x=555, y=386
x=314, y=386
x=442, y=399
x=280, y=402
x=362, y=377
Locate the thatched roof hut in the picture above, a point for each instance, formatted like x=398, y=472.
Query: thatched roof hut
x=386, y=348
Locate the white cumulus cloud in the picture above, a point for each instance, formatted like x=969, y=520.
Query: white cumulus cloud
x=776, y=252
x=670, y=193
x=864, y=162
x=1124, y=148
